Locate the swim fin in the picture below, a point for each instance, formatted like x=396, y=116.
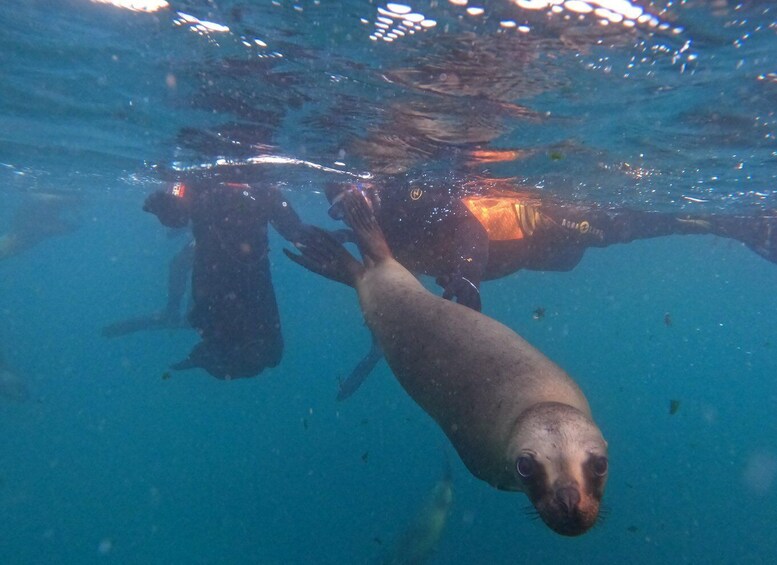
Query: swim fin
x=362, y=370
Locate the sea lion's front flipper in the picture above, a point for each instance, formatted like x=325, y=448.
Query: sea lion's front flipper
x=369, y=236
x=362, y=370
x=321, y=253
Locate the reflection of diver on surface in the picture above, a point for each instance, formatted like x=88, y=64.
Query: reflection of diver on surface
x=171, y=316
x=41, y=216
x=234, y=309
x=12, y=386
x=484, y=229
x=417, y=543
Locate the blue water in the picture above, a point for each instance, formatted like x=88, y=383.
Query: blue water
x=109, y=462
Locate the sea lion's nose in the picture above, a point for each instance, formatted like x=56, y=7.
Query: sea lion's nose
x=568, y=498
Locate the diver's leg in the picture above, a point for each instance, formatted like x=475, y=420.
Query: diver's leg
x=593, y=226
x=269, y=338
x=759, y=233
x=596, y=227
x=177, y=279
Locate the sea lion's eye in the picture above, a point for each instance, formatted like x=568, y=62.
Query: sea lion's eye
x=599, y=466
x=525, y=466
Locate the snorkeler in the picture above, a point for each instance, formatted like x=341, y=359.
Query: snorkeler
x=484, y=228
x=41, y=216
x=234, y=307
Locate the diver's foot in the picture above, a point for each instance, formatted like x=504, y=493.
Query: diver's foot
x=764, y=238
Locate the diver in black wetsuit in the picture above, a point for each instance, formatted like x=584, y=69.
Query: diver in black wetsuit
x=234, y=306
x=482, y=229
x=485, y=229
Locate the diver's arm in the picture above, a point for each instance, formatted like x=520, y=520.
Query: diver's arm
x=172, y=211
x=284, y=218
x=468, y=264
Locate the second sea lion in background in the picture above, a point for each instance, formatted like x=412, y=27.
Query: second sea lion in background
x=417, y=542
x=41, y=216
x=515, y=418
x=12, y=386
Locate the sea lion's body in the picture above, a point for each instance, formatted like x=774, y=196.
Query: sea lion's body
x=472, y=374
x=515, y=418
x=12, y=387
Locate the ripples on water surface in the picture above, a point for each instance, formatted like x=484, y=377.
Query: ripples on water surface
x=640, y=103
x=653, y=105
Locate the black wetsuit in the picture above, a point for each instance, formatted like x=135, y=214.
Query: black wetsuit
x=234, y=306
x=464, y=235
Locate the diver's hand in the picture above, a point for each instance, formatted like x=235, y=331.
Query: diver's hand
x=170, y=210
x=462, y=289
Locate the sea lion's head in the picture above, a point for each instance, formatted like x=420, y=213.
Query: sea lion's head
x=559, y=458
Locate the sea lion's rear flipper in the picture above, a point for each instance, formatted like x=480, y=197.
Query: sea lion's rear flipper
x=362, y=370
x=321, y=253
x=369, y=236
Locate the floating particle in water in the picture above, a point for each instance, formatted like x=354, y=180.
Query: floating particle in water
x=760, y=472
x=667, y=319
x=539, y=313
x=633, y=529
x=674, y=406
x=105, y=546
x=377, y=540
x=366, y=456
x=305, y=423
x=166, y=375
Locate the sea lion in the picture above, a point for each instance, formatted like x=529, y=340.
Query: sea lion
x=418, y=541
x=12, y=387
x=515, y=418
